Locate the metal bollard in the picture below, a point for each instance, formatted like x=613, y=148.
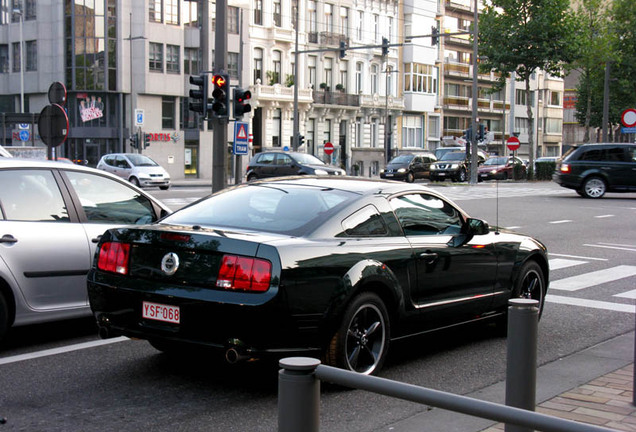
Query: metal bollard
x=521, y=368
x=298, y=395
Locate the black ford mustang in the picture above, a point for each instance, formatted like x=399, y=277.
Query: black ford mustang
x=330, y=267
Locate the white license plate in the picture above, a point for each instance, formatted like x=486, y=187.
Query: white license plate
x=160, y=312
x=441, y=174
x=388, y=175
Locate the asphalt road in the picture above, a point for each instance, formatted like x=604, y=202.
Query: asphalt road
x=128, y=386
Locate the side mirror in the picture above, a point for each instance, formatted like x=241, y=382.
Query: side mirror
x=477, y=227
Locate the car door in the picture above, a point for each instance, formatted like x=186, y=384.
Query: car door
x=122, y=167
x=417, y=167
x=455, y=274
x=284, y=165
x=41, y=242
x=106, y=203
x=623, y=161
x=264, y=166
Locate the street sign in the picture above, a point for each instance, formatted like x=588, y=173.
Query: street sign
x=53, y=125
x=241, y=135
x=628, y=118
x=513, y=143
x=23, y=126
x=24, y=135
x=627, y=130
x=328, y=148
x=139, y=117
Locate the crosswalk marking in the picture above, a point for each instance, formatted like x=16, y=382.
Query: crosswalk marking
x=629, y=294
x=587, y=280
x=560, y=263
x=609, y=246
x=595, y=304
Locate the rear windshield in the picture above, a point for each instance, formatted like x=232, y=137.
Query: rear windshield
x=283, y=209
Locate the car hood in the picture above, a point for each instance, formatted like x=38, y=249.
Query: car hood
x=396, y=166
x=151, y=170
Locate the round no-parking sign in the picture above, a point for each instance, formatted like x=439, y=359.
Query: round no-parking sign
x=628, y=118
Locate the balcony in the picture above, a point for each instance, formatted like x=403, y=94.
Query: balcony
x=327, y=38
x=325, y=97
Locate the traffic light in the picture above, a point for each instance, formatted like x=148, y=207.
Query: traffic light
x=134, y=141
x=434, y=35
x=241, y=106
x=385, y=46
x=199, y=97
x=221, y=85
x=343, y=49
x=480, y=133
x=301, y=140
x=468, y=134
x=146, y=140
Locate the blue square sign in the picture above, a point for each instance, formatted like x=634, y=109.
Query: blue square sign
x=241, y=140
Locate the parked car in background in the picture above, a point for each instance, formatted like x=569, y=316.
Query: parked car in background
x=138, y=169
x=452, y=166
x=501, y=168
x=594, y=169
x=408, y=167
x=335, y=267
x=51, y=216
x=282, y=163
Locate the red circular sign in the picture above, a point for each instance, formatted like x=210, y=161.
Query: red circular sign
x=628, y=118
x=328, y=148
x=513, y=143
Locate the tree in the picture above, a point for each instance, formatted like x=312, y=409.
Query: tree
x=523, y=36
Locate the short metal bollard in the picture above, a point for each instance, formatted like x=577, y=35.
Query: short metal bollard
x=298, y=395
x=521, y=368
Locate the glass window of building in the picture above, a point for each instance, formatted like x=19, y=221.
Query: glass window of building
x=233, y=65
x=31, y=56
x=16, y=56
x=171, y=11
x=374, y=132
x=258, y=12
x=328, y=18
x=258, y=65
x=420, y=78
x=190, y=14
x=412, y=131
x=328, y=69
x=344, y=21
x=156, y=57
x=4, y=58
x=311, y=63
x=359, y=77
x=360, y=26
x=555, y=98
x=374, y=78
x=433, y=127
x=168, y=112
x=233, y=20
x=376, y=28
x=29, y=9
x=521, y=125
x=276, y=58
x=277, y=14
x=173, y=59
x=154, y=11
x=191, y=61
x=344, y=65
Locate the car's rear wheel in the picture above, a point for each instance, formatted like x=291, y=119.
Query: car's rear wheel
x=410, y=177
x=362, y=340
x=594, y=187
x=4, y=316
x=251, y=177
x=134, y=181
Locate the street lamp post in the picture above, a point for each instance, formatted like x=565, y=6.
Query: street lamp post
x=19, y=12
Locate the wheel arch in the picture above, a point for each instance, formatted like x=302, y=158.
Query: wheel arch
x=7, y=292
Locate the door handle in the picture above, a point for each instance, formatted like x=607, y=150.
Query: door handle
x=8, y=238
x=429, y=257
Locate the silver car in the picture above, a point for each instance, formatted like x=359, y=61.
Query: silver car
x=51, y=216
x=138, y=169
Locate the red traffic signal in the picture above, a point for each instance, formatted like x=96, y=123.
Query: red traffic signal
x=219, y=106
x=241, y=106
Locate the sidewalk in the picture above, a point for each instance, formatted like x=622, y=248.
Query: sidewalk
x=594, y=386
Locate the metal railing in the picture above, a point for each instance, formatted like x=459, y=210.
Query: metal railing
x=299, y=386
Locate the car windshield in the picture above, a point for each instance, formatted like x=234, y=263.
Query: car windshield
x=307, y=159
x=496, y=161
x=453, y=156
x=401, y=159
x=141, y=160
x=272, y=208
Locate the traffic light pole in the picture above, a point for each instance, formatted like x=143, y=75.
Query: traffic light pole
x=219, y=141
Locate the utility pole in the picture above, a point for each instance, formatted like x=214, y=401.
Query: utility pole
x=475, y=126
x=219, y=125
x=296, y=130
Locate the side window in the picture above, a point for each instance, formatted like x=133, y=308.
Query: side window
x=423, y=214
x=631, y=154
x=366, y=222
x=108, y=201
x=616, y=154
x=31, y=195
x=592, y=155
x=266, y=159
x=417, y=160
x=283, y=159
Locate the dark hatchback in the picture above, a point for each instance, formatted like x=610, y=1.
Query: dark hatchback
x=322, y=266
x=408, y=167
x=594, y=169
x=282, y=163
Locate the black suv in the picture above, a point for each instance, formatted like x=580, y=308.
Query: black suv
x=408, y=167
x=283, y=163
x=452, y=165
x=593, y=169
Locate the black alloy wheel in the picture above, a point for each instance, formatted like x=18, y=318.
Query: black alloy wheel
x=531, y=284
x=594, y=187
x=362, y=341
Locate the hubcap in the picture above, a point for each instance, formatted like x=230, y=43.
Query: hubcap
x=595, y=188
x=365, y=339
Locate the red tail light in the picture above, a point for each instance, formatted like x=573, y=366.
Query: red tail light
x=245, y=274
x=565, y=168
x=113, y=257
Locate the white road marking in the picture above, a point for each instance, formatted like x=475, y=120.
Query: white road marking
x=513, y=227
x=629, y=294
x=53, y=351
x=560, y=221
x=631, y=249
x=618, y=307
x=587, y=280
x=578, y=257
x=559, y=263
x=603, y=216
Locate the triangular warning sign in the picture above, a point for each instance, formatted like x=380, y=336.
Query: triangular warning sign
x=242, y=133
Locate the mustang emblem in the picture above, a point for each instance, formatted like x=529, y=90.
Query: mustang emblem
x=170, y=263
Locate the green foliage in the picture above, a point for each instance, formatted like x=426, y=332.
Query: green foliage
x=545, y=170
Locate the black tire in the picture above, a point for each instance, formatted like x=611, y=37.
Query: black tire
x=164, y=187
x=410, y=178
x=593, y=187
x=461, y=177
x=134, y=181
x=4, y=316
x=251, y=177
x=361, y=343
x=504, y=176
